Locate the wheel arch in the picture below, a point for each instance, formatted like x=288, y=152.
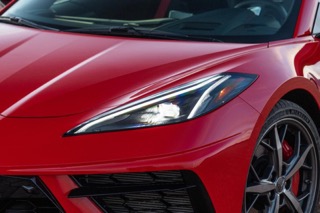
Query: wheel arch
x=298, y=90
x=305, y=100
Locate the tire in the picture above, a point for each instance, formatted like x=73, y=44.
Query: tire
x=284, y=170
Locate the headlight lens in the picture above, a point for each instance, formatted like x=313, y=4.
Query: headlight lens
x=176, y=105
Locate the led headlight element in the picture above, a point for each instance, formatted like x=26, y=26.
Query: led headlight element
x=176, y=105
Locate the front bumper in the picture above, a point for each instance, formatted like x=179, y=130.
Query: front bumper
x=216, y=148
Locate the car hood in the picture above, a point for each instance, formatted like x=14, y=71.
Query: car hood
x=49, y=74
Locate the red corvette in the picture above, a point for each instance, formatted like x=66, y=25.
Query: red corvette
x=163, y=106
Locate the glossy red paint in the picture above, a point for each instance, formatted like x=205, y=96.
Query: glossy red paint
x=306, y=18
x=74, y=78
x=68, y=78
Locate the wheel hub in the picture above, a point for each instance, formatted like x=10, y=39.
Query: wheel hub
x=280, y=185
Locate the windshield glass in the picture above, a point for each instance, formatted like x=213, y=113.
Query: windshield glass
x=246, y=21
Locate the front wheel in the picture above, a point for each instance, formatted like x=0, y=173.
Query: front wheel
x=283, y=174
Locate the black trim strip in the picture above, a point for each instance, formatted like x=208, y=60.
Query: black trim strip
x=105, y=191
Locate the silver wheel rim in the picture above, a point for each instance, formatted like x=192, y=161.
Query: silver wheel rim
x=276, y=182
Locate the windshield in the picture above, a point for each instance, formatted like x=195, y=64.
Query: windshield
x=246, y=21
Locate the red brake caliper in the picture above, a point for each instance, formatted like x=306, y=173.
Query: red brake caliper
x=287, y=152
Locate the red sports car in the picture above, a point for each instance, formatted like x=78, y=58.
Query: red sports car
x=162, y=106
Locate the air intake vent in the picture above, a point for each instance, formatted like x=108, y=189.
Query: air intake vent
x=27, y=195
x=165, y=192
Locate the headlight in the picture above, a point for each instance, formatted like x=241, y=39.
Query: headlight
x=172, y=106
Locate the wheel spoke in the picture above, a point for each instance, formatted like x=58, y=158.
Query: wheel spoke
x=298, y=143
x=284, y=132
x=303, y=196
x=254, y=173
x=298, y=163
x=293, y=201
x=267, y=146
x=278, y=150
x=306, y=167
x=252, y=204
x=261, y=188
x=275, y=205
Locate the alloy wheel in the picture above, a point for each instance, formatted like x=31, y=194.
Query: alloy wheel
x=283, y=174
